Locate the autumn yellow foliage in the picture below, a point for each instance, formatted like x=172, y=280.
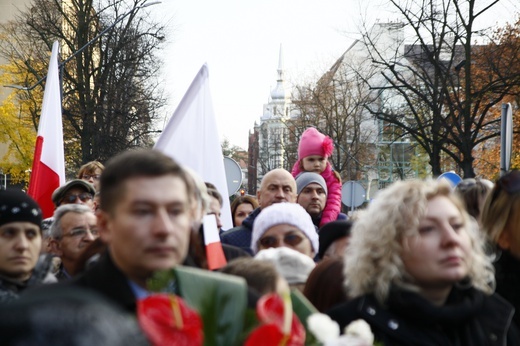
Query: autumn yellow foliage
x=18, y=134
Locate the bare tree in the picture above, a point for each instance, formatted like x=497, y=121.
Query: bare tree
x=111, y=94
x=428, y=87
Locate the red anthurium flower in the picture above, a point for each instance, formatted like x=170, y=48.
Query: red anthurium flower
x=270, y=308
x=167, y=320
x=270, y=311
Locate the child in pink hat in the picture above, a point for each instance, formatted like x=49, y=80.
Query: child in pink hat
x=314, y=150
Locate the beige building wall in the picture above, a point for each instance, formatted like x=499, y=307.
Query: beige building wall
x=8, y=10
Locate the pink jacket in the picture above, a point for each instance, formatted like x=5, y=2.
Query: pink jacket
x=333, y=205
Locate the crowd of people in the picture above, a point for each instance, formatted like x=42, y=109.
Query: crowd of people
x=425, y=263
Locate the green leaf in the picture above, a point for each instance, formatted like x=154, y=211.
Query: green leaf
x=303, y=309
x=220, y=299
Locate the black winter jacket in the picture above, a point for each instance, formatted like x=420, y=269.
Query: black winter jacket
x=469, y=317
x=507, y=275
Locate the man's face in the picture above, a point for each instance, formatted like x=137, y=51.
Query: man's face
x=277, y=186
x=20, y=244
x=78, y=195
x=312, y=198
x=78, y=231
x=214, y=209
x=149, y=228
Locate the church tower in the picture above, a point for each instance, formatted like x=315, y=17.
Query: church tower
x=271, y=134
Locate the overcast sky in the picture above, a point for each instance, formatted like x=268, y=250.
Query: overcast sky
x=240, y=40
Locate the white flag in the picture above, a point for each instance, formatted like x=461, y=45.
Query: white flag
x=191, y=138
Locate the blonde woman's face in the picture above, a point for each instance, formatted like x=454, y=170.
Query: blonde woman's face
x=438, y=256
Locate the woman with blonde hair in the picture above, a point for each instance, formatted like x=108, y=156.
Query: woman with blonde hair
x=418, y=274
x=501, y=222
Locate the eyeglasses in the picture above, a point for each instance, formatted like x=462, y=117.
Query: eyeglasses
x=81, y=233
x=93, y=176
x=85, y=196
x=272, y=241
x=510, y=183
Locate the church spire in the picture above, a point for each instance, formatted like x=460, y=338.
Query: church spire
x=280, y=65
x=278, y=93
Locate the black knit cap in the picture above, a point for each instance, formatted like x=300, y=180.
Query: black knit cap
x=332, y=231
x=17, y=206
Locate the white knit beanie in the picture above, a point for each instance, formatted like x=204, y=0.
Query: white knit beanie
x=280, y=213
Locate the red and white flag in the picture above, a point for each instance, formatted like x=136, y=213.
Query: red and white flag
x=48, y=169
x=214, y=252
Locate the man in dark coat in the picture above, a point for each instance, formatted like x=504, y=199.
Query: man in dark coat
x=277, y=186
x=146, y=214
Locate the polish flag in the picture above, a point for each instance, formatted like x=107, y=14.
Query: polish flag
x=214, y=252
x=48, y=169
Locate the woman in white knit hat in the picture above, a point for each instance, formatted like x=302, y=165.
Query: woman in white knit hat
x=285, y=225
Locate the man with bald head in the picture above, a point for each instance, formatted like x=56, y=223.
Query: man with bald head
x=277, y=186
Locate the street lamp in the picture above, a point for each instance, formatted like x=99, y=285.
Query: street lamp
x=62, y=64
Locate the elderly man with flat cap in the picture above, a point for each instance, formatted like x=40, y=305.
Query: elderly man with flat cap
x=76, y=191
x=312, y=195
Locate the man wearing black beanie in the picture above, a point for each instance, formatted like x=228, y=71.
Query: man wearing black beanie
x=20, y=243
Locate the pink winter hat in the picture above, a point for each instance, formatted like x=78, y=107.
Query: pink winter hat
x=313, y=142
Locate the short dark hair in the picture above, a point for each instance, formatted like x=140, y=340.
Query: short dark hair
x=137, y=163
x=261, y=276
x=213, y=192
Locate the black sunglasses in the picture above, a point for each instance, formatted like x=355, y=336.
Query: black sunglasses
x=272, y=241
x=85, y=196
x=510, y=183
